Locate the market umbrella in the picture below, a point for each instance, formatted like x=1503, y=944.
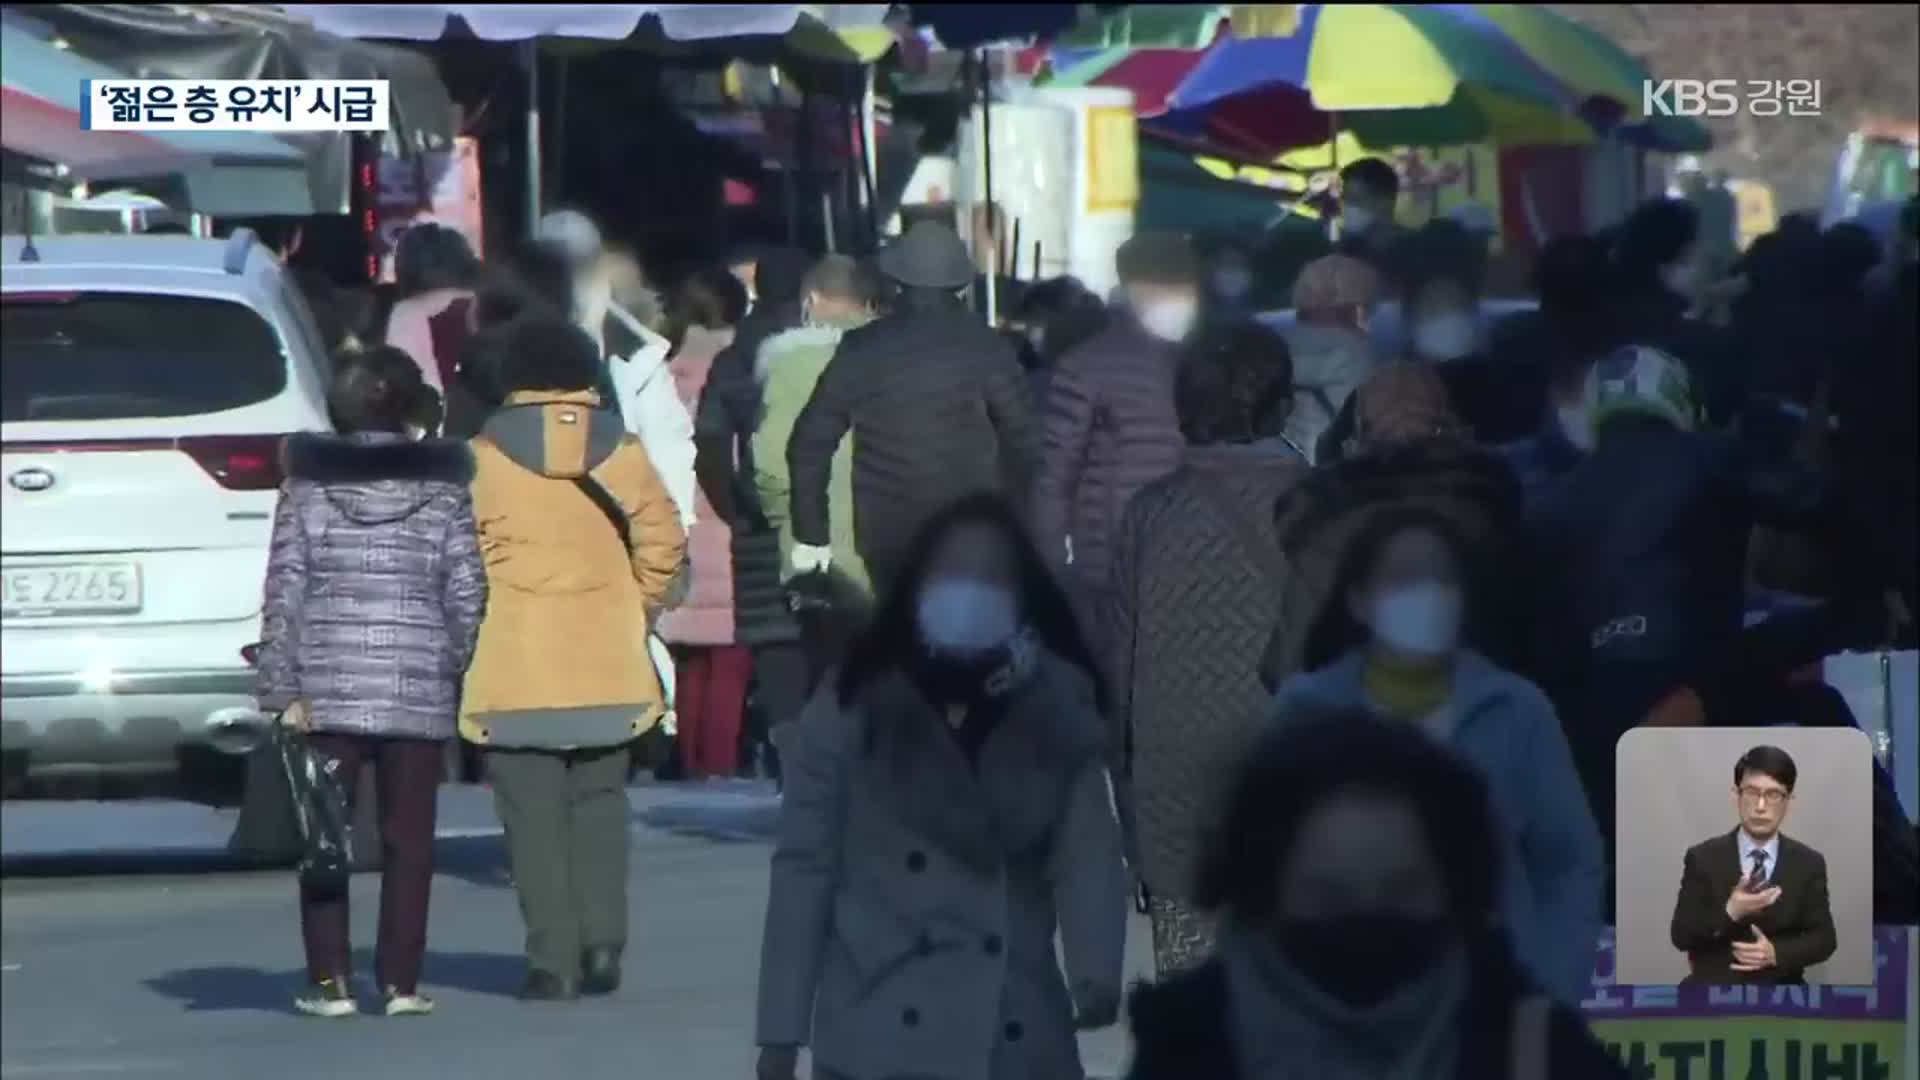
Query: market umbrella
x=854, y=32
x=1597, y=68
x=1404, y=74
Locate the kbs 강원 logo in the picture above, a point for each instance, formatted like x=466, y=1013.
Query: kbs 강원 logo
x=1722, y=97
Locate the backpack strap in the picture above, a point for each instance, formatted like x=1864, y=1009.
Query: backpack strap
x=1528, y=1042
x=604, y=501
x=616, y=516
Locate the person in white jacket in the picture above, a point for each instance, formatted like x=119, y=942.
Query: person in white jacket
x=636, y=357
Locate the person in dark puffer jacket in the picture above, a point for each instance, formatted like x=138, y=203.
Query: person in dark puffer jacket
x=937, y=404
x=724, y=423
x=1109, y=427
x=374, y=594
x=1194, y=596
x=1355, y=875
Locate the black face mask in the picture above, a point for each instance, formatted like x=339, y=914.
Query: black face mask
x=1362, y=959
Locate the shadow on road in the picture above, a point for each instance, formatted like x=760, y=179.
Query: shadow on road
x=232, y=988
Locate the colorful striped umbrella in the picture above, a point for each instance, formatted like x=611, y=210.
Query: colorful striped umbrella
x=1597, y=68
x=1391, y=74
x=1406, y=73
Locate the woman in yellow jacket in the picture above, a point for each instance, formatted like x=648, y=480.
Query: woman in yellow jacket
x=583, y=547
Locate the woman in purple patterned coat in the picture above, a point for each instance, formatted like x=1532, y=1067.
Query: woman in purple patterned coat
x=374, y=594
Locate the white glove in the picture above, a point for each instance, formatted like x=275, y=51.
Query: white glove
x=808, y=559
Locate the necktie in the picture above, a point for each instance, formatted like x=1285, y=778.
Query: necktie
x=1759, y=875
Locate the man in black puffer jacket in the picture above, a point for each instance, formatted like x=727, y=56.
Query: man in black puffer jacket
x=937, y=402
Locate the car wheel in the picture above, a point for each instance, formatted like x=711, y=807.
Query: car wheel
x=211, y=777
x=266, y=831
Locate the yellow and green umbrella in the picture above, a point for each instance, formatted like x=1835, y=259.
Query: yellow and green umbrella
x=1393, y=74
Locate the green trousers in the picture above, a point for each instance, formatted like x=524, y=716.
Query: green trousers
x=565, y=814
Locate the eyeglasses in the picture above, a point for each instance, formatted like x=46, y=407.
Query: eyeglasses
x=1765, y=796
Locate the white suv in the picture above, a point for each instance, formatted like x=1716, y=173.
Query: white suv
x=148, y=382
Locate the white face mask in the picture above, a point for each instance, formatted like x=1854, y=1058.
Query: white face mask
x=1355, y=219
x=961, y=615
x=1576, y=424
x=1232, y=284
x=1169, y=319
x=1444, y=337
x=1419, y=620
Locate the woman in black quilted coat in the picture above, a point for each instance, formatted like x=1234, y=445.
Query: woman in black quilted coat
x=1194, y=596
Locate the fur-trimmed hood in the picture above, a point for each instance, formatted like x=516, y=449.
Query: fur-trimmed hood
x=376, y=477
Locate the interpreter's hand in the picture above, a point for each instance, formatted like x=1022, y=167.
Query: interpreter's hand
x=1094, y=1007
x=1755, y=955
x=810, y=559
x=297, y=717
x=1745, y=903
x=778, y=1063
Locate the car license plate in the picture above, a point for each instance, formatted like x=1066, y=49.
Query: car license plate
x=96, y=588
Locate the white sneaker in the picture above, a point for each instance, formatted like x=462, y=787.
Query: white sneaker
x=328, y=998
x=415, y=1004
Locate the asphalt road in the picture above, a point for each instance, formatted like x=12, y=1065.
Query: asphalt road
x=126, y=966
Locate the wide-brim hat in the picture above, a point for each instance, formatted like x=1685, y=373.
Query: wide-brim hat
x=929, y=256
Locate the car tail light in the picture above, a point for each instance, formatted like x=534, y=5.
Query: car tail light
x=237, y=462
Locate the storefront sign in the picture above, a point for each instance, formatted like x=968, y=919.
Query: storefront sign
x=440, y=186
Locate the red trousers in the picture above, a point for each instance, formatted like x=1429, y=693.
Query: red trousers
x=710, y=701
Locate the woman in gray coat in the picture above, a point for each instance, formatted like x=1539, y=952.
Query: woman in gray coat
x=374, y=593
x=946, y=812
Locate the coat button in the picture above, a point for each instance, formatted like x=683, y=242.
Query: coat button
x=916, y=861
x=910, y=1016
x=923, y=945
x=1014, y=1031
x=994, y=945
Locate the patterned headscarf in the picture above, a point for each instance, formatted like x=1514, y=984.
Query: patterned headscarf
x=1404, y=402
x=1334, y=282
x=1646, y=382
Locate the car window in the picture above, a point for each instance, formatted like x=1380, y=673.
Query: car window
x=122, y=355
x=307, y=329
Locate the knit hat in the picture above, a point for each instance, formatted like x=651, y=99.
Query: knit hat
x=1405, y=402
x=1643, y=381
x=1335, y=281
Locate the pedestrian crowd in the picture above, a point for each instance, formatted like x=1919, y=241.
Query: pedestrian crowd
x=1310, y=639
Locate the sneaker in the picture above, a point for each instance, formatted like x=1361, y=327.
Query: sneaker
x=413, y=1004
x=329, y=998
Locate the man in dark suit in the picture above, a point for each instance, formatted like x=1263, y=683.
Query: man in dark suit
x=1753, y=903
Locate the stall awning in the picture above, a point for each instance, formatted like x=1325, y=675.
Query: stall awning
x=852, y=31
x=209, y=172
